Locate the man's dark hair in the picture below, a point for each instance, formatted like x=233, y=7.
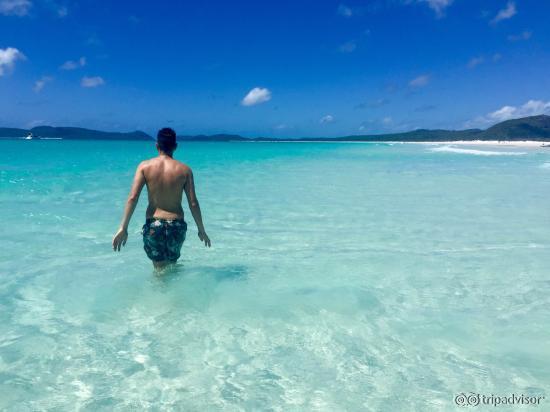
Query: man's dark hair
x=166, y=139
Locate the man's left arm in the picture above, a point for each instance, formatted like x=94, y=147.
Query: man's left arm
x=122, y=235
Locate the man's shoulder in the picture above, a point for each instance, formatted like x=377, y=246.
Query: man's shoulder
x=151, y=163
x=145, y=163
x=182, y=166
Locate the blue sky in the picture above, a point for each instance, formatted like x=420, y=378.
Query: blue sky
x=279, y=68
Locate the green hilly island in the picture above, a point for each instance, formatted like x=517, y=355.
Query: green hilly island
x=527, y=128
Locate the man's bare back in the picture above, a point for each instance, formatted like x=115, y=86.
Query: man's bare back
x=166, y=180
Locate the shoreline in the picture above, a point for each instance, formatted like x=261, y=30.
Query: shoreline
x=494, y=143
x=503, y=143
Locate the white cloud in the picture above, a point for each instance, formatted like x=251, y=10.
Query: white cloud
x=348, y=47
x=40, y=83
x=506, y=13
x=383, y=124
x=345, y=11
x=92, y=81
x=72, y=65
x=327, y=119
x=379, y=102
x=438, y=6
x=525, y=35
x=93, y=40
x=15, y=7
x=282, y=126
x=420, y=81
x=62, y=11
x=34, y=123
x=504, y=113
x=8, y=57
x=530, y=108
x=256, y=96
x=372, y=104
x=475, y=61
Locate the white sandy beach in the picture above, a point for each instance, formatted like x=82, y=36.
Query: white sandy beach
x=503, y=143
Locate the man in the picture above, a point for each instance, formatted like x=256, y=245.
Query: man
x=166, y=179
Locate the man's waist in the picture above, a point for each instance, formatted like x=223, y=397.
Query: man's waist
x=161, y=213
x=164, y=219
x=155, y=221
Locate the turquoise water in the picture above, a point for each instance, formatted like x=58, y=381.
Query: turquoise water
x=341, y=277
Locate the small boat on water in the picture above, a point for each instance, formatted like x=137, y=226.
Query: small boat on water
x=29, y=136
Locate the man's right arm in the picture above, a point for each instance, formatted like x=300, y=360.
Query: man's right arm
x=195, y=207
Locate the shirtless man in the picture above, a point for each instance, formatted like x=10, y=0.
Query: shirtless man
x=166, y=179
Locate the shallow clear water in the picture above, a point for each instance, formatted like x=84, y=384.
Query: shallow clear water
x=342, y=277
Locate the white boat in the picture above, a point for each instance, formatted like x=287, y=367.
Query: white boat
x=29, y=136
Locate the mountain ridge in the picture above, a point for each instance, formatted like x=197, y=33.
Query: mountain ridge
x=526, y=128
x=73, y=133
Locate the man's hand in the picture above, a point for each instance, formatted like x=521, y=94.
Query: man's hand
x=120, y=239
x=204, y=238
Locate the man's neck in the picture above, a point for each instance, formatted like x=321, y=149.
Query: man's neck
x=162, y=154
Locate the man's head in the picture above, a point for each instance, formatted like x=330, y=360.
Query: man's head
x=166, y=141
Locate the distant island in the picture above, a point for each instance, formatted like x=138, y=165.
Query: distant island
x=71, y=133
x=535, y=128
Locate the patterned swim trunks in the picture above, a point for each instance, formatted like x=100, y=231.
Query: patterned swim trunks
x=162, y=239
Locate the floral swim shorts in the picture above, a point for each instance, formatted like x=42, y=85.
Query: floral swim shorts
x=162, y=239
